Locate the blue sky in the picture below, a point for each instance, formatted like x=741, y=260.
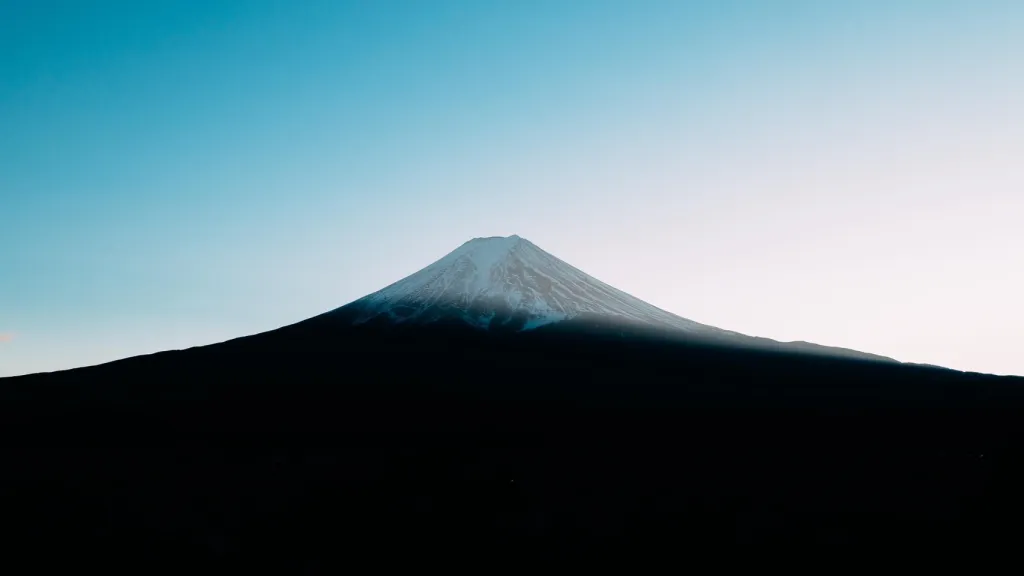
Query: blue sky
x=179, y=173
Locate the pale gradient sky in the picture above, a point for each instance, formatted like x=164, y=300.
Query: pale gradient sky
x=177, y=173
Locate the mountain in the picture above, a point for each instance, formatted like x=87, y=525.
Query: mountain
x=509, y=283
x=415, y=428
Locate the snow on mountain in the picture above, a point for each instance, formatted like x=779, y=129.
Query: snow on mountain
x=509, y=281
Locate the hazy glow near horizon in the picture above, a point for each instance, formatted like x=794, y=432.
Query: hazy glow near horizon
x=175, y=173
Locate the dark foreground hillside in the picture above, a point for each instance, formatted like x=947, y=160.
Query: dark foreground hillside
x=314, y=449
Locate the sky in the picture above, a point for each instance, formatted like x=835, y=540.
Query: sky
x=178, y=173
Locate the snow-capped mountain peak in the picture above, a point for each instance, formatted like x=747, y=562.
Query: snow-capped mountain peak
x=509, y=282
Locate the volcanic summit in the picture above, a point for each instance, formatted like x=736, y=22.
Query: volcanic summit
x=509, y=283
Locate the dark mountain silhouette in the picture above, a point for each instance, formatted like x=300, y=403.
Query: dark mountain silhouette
x=350, y=439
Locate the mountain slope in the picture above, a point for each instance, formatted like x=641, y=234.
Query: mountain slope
x=509, y=283
x=499, y=280
x=321, y=446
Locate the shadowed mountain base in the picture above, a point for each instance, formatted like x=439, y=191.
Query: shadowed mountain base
x=314, y=447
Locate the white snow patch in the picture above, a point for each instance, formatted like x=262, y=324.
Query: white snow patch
x=510, y=277
x=486, y=277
